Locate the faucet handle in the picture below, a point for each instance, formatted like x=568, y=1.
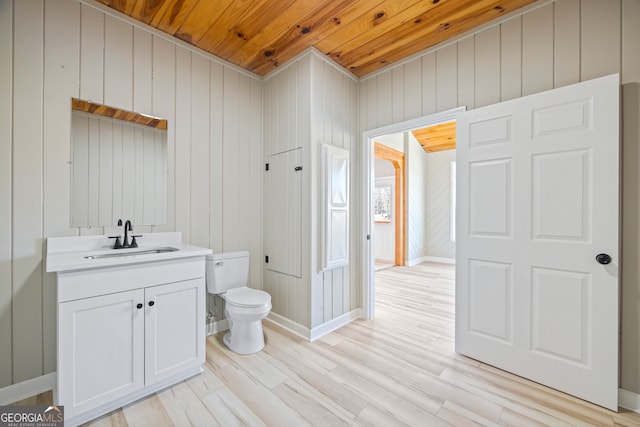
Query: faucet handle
x=134, y=244
x=117, y=244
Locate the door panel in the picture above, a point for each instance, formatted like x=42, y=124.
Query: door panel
x=538, y=199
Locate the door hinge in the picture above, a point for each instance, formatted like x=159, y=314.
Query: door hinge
x=368, y=236
x=266, y=166
x=266, y=259
x=298, y=168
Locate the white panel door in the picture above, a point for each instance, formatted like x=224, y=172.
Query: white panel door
x=537, y=203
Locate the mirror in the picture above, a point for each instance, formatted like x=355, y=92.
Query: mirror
x=119, y=166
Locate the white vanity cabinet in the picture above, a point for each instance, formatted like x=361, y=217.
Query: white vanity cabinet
x=126, y=331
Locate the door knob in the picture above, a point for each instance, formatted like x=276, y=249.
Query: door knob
x=603, y=259
x=151, y=303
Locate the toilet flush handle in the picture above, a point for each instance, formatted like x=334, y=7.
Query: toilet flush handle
x=219, y=264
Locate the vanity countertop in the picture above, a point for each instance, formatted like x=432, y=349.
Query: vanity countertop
x=65, y=254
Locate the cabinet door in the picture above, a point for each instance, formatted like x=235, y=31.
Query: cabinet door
x=174, y=328
x=283, y=203
x=100, y=350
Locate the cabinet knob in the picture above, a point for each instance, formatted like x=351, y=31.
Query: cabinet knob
x=151, y=303
x=139, y=306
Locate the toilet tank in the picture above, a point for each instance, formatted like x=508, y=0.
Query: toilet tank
x=227, y=270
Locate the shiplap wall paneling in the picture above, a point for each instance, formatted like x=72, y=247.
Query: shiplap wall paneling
x=429, y=92
x=412, y=85
x=511, y=59
x=600, y=38
x=91, y=54
x=416, y=166
x=254, y=192
x=216, y=110
x=244, y=173
x=27, y=179
x=162, y=105
x=438, y=205
x=334, y=94
x=230, y=152
x=447, y=77
x=183, y=143
x=537, y=50
x=6, y=79
x=199, y=167
x=466, y=71
x=118, y=63
x=397, y=99
x=487, y=68
x=143, y=72
x=566, y=42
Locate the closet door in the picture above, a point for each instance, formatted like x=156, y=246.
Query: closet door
x=284, y=212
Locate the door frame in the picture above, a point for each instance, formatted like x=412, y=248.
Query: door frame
x=396, y=158
x=366, y=189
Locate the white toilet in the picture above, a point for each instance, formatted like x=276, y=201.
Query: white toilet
x=227, y=275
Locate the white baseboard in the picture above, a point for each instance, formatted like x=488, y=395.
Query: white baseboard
x=415, y=261
x=289, y=325
x=332, y=325
x=629, y=400
x=317, y=332
x=218, y=326
x=28, y=388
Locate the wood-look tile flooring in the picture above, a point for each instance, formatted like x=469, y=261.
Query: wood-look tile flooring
x=397, y=370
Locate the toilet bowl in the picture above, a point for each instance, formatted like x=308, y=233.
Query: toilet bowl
x=226, y=276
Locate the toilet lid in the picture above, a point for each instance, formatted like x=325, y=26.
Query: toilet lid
x=247, y=297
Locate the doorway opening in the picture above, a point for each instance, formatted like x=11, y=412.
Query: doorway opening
x=389, y=207
x=368, y=192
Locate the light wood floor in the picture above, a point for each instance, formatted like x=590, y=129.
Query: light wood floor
x=399, y=369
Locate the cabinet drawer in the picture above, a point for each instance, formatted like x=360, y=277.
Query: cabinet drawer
x=84, y=284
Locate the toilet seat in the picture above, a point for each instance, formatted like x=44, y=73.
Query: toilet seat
x=247, y=297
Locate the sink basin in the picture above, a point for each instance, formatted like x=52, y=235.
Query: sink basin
x=132, y=253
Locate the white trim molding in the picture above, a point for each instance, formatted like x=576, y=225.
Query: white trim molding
x=289, y=325
x=629, y=400
x=332, y=325
x=34, y=386
x=317, y=332
x=440, y=260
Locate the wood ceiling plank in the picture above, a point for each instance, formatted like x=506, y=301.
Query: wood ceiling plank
x=241, y=33
x=361, y=35
x=319, y=18
x=200, y=18
x=374, y=23
x=124, y=6
x=231, y=16
x=173, y=15
x=379, y=54
x=441, y=19
x=297, y=36
x=145, y=10
x=437, y=137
